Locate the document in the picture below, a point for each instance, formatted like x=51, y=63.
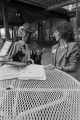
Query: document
x=5, y=48
x=35, y=72
x=8, y=72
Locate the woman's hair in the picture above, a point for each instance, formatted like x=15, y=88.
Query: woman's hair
x=66, y=30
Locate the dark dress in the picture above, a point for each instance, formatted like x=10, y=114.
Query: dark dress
x=18, y=56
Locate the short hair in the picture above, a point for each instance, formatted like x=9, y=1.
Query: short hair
x=66, y=30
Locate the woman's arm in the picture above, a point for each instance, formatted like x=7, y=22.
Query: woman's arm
x=27, y=52
x=73, y=60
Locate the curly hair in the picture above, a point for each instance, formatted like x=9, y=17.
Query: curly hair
x=66, y=30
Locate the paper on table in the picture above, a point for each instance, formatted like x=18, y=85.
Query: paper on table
x=5, y=48
x=33, y=71
x=8, y=72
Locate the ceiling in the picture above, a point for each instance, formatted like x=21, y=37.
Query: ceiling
x=50, y=4
x=20, y=11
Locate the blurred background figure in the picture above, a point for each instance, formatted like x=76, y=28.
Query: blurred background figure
x=35, y=35
x=36, y=53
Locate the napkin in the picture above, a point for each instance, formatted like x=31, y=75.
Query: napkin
x=33, y=71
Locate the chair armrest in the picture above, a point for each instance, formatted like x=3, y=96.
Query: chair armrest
x=30, y=61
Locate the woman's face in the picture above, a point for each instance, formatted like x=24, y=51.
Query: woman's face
x=56, y=34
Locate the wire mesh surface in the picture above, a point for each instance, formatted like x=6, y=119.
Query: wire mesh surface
x=56, y=98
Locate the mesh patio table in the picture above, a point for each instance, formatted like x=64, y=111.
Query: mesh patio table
x=56, y=98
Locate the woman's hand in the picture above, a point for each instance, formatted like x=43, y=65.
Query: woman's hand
x=59, y=67
x=49, y=67
x=6, y=58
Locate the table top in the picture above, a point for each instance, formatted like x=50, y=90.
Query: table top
x=56, y=98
